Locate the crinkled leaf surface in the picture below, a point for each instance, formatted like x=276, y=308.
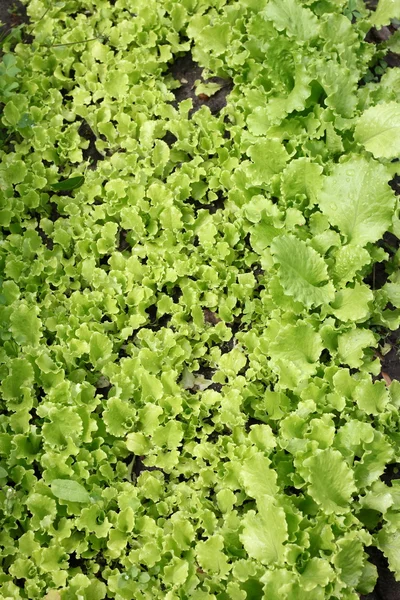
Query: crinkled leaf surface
x=356, y=198
x=269, y=157
x=258, y=479
x=298, y=21
x=352, y=303
x=331, y=482
x=302, y=177
x=302, y=271
x=388, y=541
x=192, y=403
x=385, y=12
x=378, y=129
x=300, y=345
x=265, y=532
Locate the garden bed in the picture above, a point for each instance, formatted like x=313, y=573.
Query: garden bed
x=199, y=318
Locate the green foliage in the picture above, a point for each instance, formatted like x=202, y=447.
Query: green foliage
x=303, y=273
x=358, y=201
x=8, y=72
x=72, y=491
x=378, y=130
x=68, y=184
x=387, y=10
x=190, y=396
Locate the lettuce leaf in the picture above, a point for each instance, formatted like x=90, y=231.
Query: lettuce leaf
x=378, y=129
x=265, y=532
x=302, y=271
x=331, y=481
x=357, y=200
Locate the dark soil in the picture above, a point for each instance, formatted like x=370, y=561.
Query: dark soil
x=379, y=36
x=186, y=71
x=391, y=361
x=12, y=14
x=90, y=153
x=386, y=588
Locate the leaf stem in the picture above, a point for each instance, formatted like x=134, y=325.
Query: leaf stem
x=73, y=43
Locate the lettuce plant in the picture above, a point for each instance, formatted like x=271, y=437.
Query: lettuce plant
x=192, y=403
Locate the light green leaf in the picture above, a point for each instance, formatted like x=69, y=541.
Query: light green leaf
x=226, y=500
x=261, y=236
x=232, y=362
x=116, y=83
x=263, y=437
x=299, y=22
x=151, y=386
x=393, y=292
x=43, y=509
x=214, y=38
x=350, y=560
x=52, y=595
x=349, y=260
x=269, y=157
x=65, y=425
x=378, y=497
x=368, y=579
x=298, y=344
x=318, y=572
x=137, y=443
x=378, y=128
x=16, y=172
x=11, y=113
x=70, y=490
x=351, y=346
x=258, y=121
x=357, y=200
x=385, y=12
x=26, y=325
x=389, y=542
x=209, y=89
x=279, y=107
x=331, y=482
x=211, y=557
x=352, y=304
x=176, y=571
x=100, y=348
x=119, y=416
x=302, y=178
x=393, y=44
x=93, y=519
x=265, y=532
x=302, y=271
x=161, y=154
x=20, y=375
x=280, y=584
x=372, y=398
x=257, y=477
x=169, y=435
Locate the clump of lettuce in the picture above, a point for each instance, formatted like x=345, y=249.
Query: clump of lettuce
x=191, y=400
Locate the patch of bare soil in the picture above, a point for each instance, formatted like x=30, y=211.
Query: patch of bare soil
x=12, y=14
x=386, y=588
x=391, y=361
x=187, y=72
